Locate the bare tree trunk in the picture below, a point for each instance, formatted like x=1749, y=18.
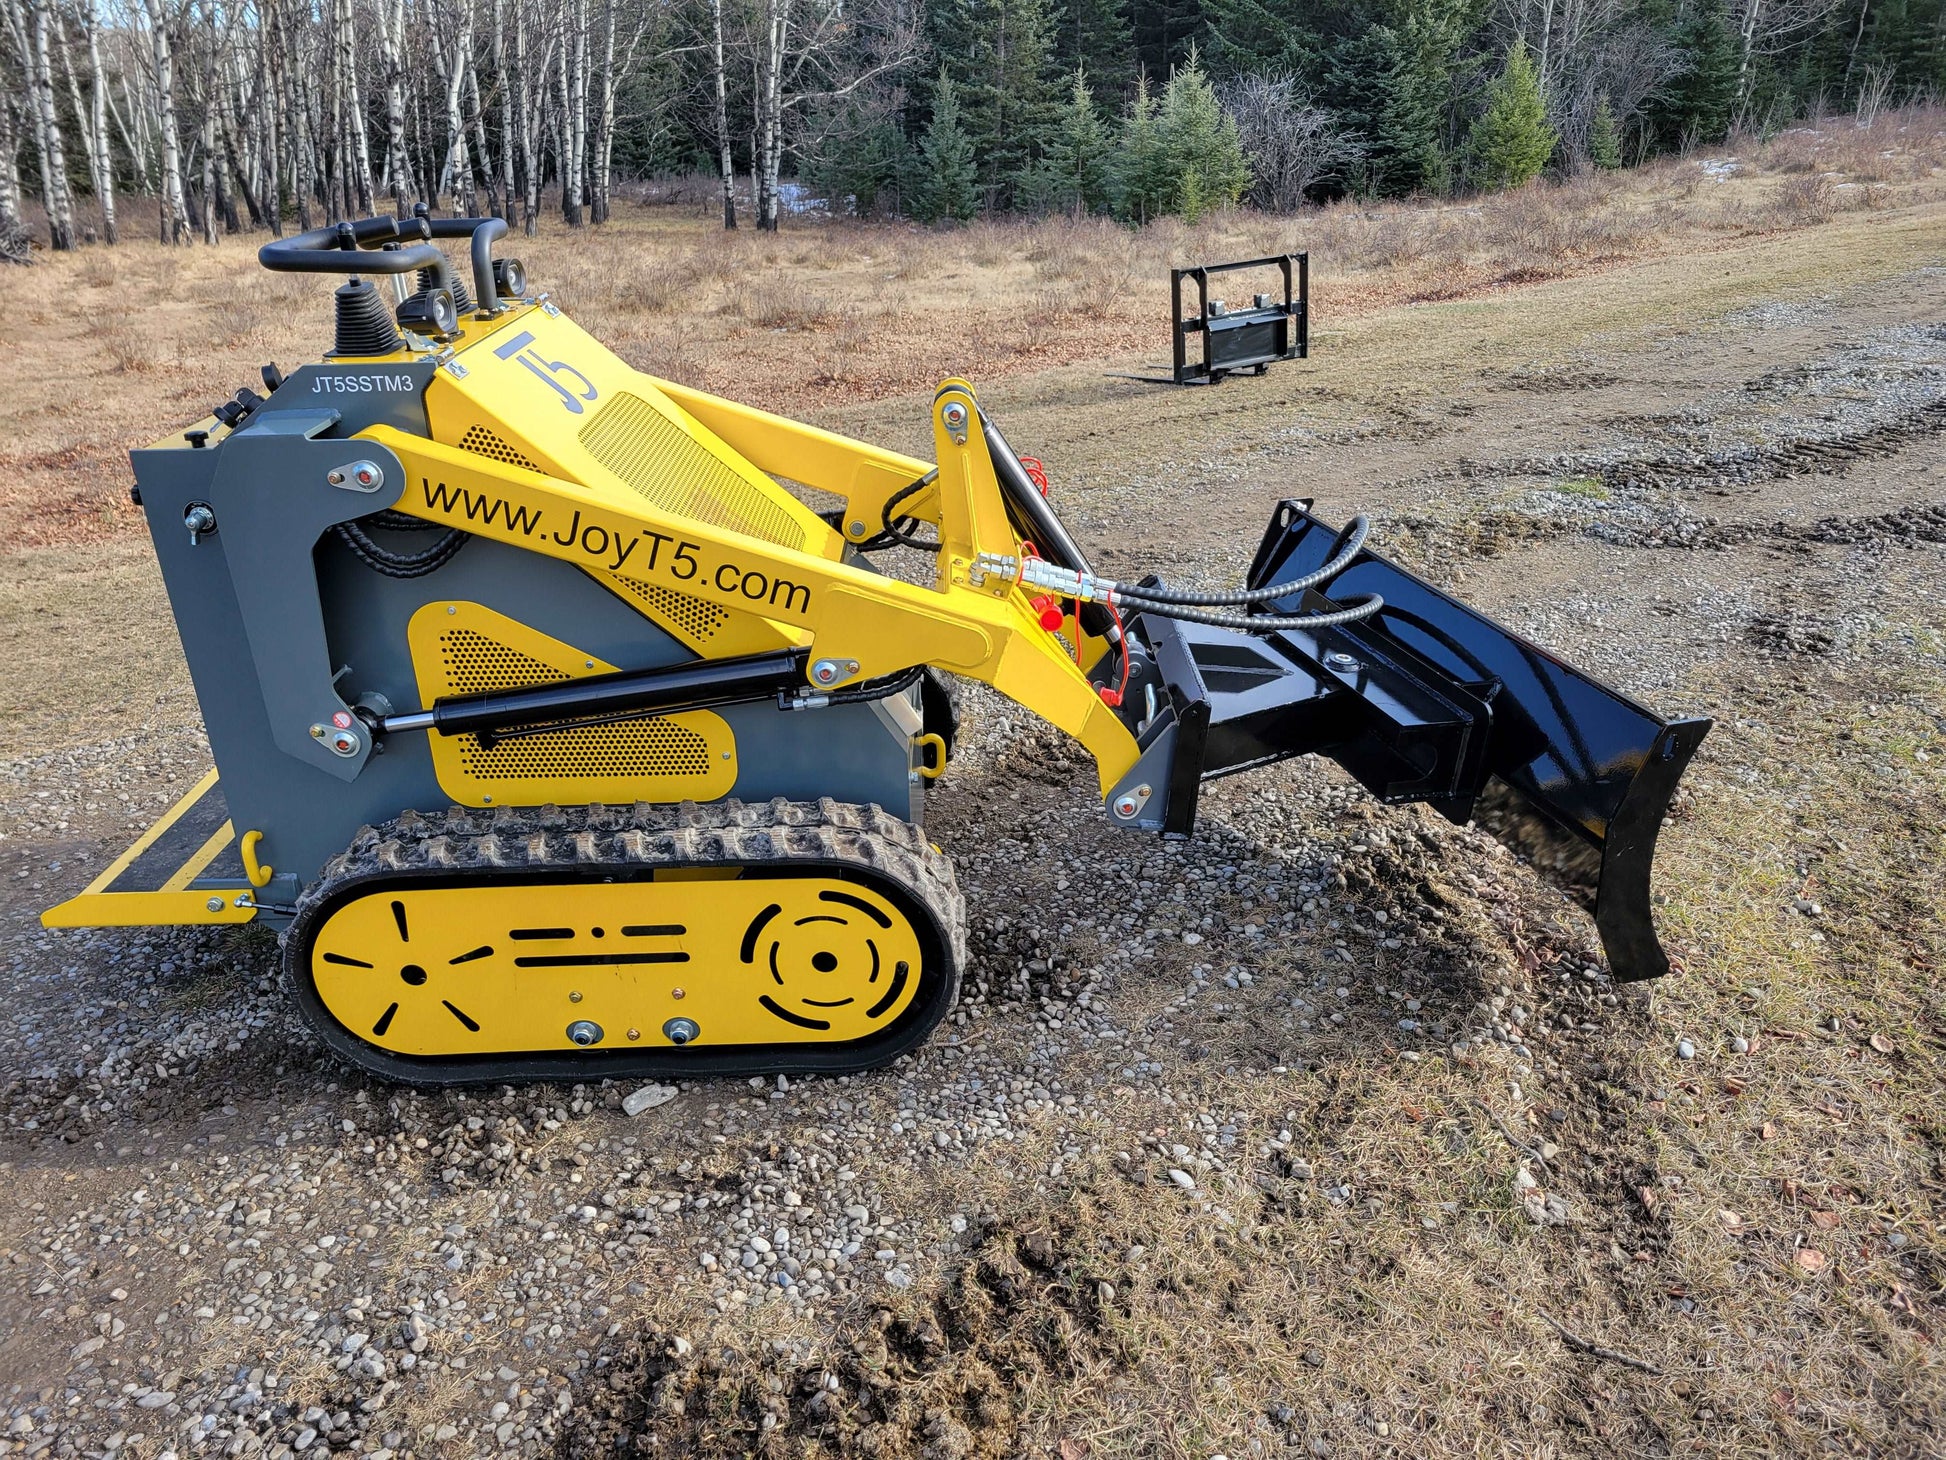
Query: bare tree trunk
x=481, y=149
x=37, y=58
x=1747, y=39
x=135, y=140
x=455, y=57
x=303, y=159
x=209, y=176
x=174, y=215
x=726, y=164
x=527, y=121
x=270, y=95
x=505, y=84
x=391, y=51
x=90, y=121
x=574, y=121
x=11, y=228
x=349, y=97
x=770, y=110
x=101, y=160
x=604, y=148
x=564, y=148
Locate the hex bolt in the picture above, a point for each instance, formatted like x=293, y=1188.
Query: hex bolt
x=681, y=1031
x=215, y=904
x=575, y=997
x=584, y=1032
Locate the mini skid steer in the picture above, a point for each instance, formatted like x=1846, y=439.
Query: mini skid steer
x=559, y=740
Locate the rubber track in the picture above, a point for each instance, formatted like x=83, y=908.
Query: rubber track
x=580, y=839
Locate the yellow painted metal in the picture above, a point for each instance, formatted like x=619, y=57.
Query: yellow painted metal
x=863, y=474
x=96, y=907
x=850, y=613
x=190, y=870
x=497, y=969
x=972, y=511
x=145, y=910
x=258, y=874
x=561, y=402
x=931, y=769
x=460, y=648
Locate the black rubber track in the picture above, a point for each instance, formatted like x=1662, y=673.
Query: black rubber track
x=523, y=845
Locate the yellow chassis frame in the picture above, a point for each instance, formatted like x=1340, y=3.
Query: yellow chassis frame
x=867, y=624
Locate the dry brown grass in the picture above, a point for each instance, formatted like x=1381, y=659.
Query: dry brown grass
x=117, y=346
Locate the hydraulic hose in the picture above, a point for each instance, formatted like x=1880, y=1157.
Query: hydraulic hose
x=1354, y=538
x=1256, y=623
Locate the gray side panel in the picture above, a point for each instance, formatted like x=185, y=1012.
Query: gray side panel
x=273, y=605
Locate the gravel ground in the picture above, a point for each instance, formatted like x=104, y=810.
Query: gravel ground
x=221, y=1243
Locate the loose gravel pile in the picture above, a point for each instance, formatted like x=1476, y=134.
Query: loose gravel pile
x=222, y=1243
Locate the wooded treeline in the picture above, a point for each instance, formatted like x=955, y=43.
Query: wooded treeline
x=271, y=114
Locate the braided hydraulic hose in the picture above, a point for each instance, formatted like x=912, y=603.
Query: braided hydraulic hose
x=1255, y=623
x=399, y=565
x=1353, y=538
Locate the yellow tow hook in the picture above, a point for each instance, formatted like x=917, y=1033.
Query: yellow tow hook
x=934, y=766
x=258, y=874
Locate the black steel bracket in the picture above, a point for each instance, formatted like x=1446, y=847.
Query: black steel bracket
x=1240, y=339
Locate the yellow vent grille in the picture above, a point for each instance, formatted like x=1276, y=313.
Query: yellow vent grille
x=474, y=664
x=692, y=616
x=483, y=441
x=680, y=475
x=652, y=748
x=467, y=648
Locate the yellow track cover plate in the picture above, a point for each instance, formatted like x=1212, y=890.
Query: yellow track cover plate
x=500, y=968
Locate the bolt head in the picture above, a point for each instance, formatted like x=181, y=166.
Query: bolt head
x=585, y=1032
x=954, y=415
x=215, y=904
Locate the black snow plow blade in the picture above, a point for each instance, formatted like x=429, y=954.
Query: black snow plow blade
x=1427, y=700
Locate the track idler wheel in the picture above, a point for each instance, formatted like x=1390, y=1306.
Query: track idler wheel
x=550, y=943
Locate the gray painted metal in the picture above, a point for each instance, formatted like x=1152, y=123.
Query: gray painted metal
x=282, y=624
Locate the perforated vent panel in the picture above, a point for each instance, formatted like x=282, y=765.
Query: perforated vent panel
x=678, y=474
x=694, y=617
x=479, y=439
x=645, y=748
x=474, y=664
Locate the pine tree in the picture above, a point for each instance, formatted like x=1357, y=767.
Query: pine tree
x=1695, y=107
x=1604, y=137
x=1093, y=37
x=999, y=54
x=1077, y=158
x=1264, y=36
x=1200, y=139
x=944, y=188
x=1390, y=84
x=1139, y=176
x=1511, y=140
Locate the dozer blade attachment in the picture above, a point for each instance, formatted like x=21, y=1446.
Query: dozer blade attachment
x=1427, y=700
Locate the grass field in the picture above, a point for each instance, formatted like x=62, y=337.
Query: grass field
x=1449, y=1191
